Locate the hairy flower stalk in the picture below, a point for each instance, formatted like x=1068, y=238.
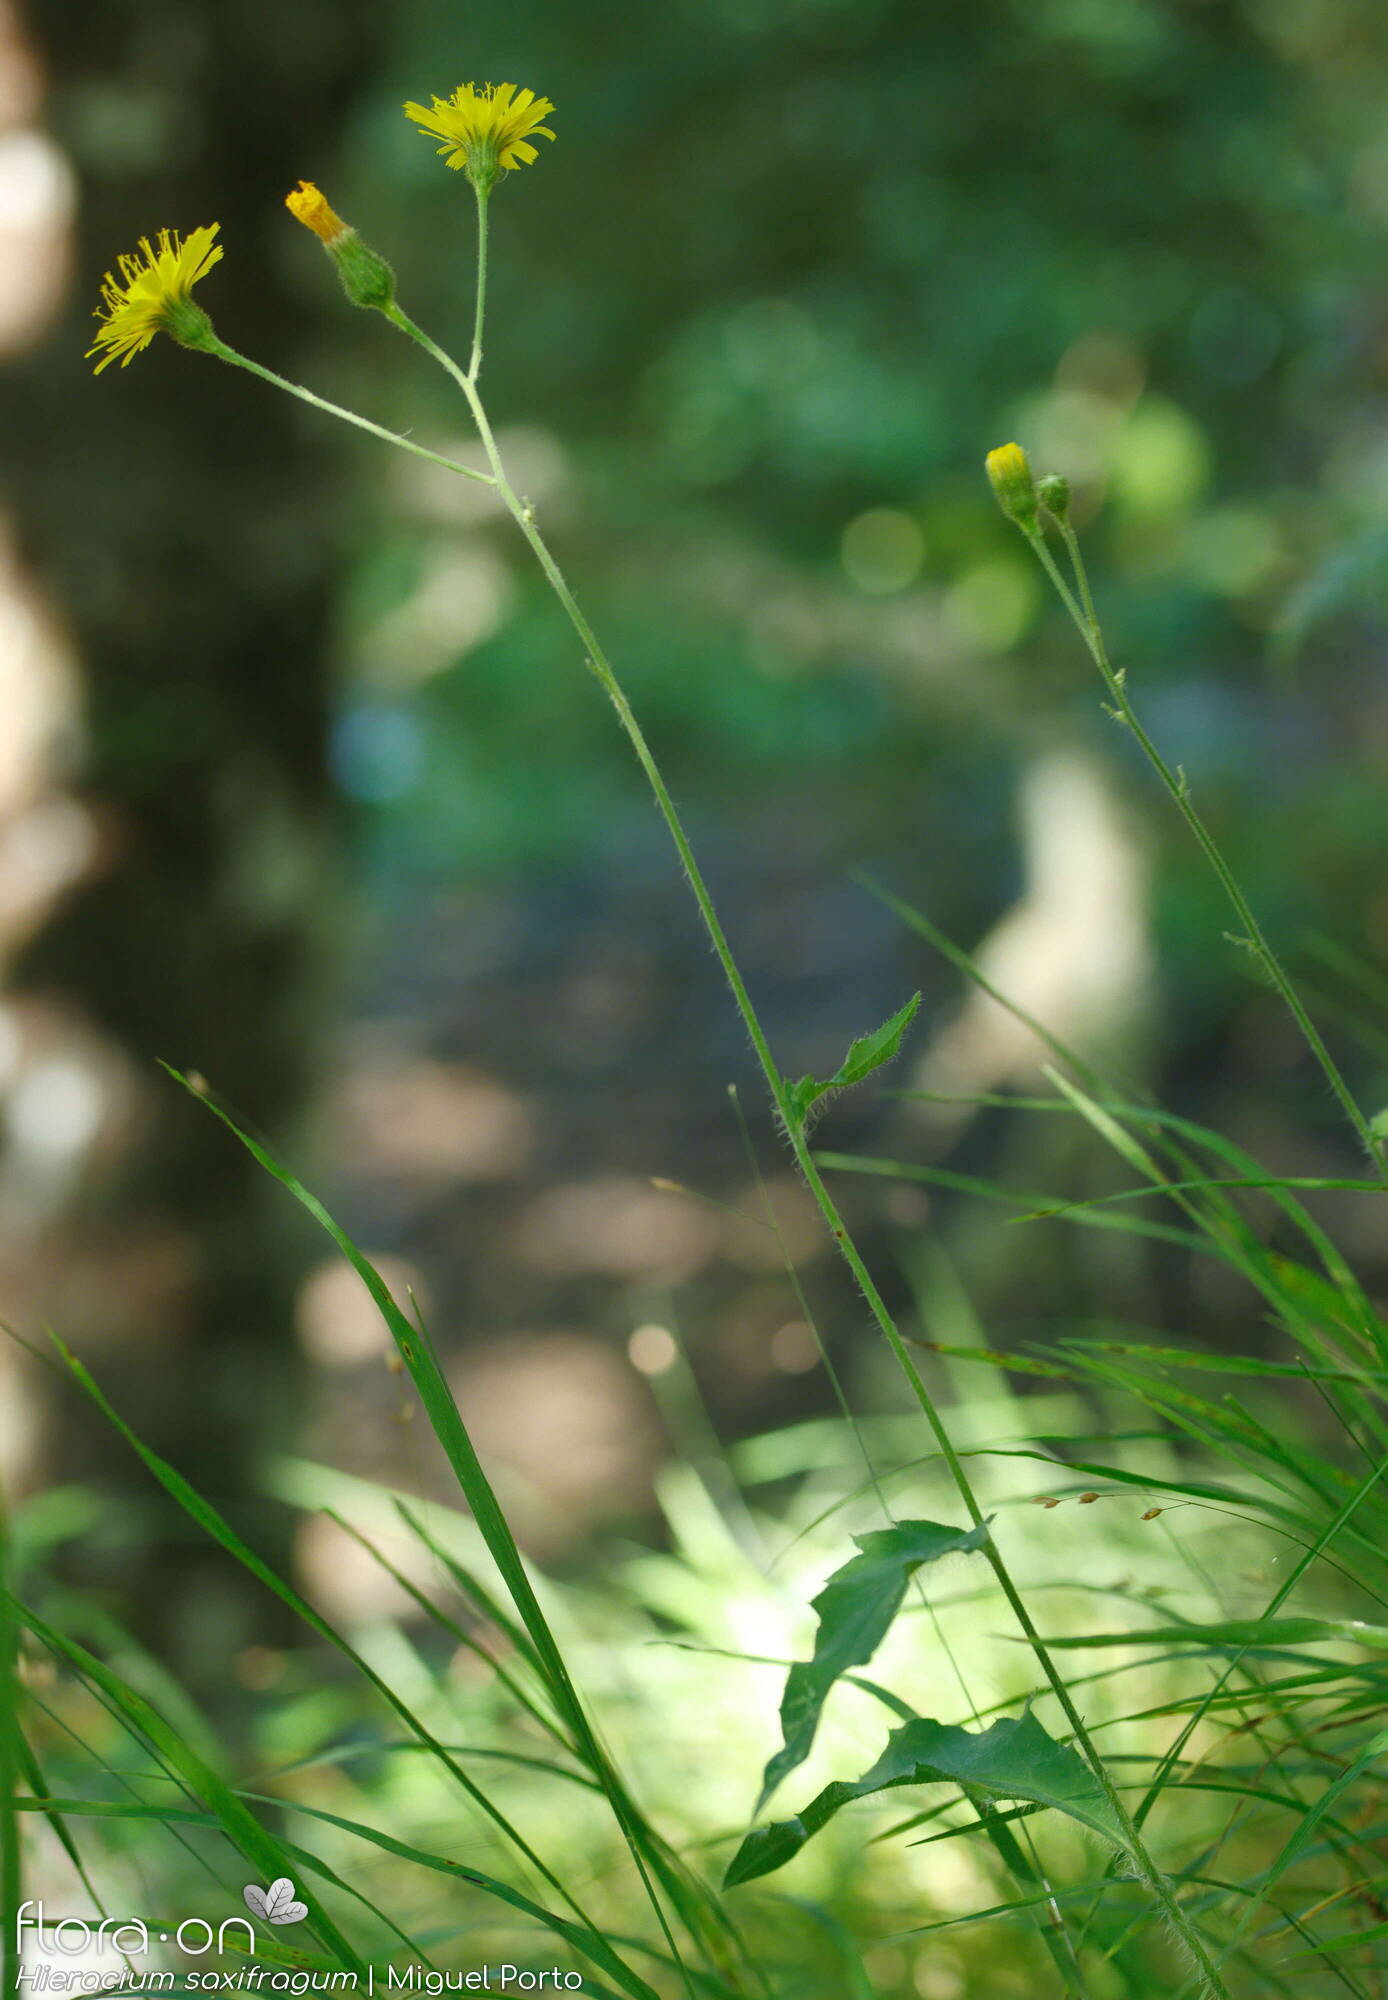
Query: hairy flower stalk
x=485, y=129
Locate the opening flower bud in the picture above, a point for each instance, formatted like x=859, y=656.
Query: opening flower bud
x=1009, y=473
x=366, y=277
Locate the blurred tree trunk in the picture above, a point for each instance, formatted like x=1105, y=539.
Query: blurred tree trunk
x=174, y=512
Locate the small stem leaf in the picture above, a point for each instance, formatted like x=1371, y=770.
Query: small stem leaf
x=868, y=1053
x=803, y=1095
x=1012, y=1759
x=856, y=1608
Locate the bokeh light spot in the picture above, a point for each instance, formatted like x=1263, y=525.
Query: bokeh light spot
x=1161, y=460
x=794, y=1348
x=652, y=1350
x=882, y=551
x=377, y=752
x=993, y=605
x=1233, y=549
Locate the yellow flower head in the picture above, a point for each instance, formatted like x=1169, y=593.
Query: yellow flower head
x=308, y=206
x=485, y=127
x=1009, y=473
x=154, y=295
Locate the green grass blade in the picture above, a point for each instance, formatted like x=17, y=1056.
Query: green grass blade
x=584, y=1939
x=11, y=1863
x=945, y=1177
x=238, y=1823
x=1251, y=1632
x=417, y=1353
x=207, y=1517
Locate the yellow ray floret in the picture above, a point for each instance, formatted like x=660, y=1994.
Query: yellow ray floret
x=307, y=205
x=152, y=293
x=482, y=124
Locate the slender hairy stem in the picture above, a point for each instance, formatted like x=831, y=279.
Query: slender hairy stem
x=601, y=668
x=1083, y=613
x=475, y=365
x=225, y=353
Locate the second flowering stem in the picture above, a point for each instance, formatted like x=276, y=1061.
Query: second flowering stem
x=1082, y=611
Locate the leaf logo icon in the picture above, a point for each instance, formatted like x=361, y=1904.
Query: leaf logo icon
x=276, y=1904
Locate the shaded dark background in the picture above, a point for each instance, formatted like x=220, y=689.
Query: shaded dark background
x=309, y=790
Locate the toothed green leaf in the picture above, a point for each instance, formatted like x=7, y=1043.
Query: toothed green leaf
x=856, y=1607
x=1009, y=1760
